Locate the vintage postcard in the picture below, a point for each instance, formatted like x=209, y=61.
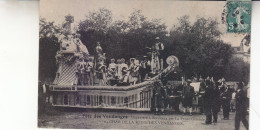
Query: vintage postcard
x=144, y=64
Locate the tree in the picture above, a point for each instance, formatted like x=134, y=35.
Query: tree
x=237, y=70
x=48, y=29
x=94, y=28
x=48, y=46
x=142, y=33
x=198, y=47
x=128, y=38
x=97, y=20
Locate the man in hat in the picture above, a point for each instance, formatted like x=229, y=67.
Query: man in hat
x=159, y=47
x=216, y=100
x=208, y=101
x=159, y=96
x=242, y=104
x=201, y=95
x=211, y=101
x=226, y=95
x=175, y=98
x=158, y=44
x=188, y=94
x=156, y=60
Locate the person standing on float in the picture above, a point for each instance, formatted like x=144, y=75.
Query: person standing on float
x=156, y=62
x=118, y=69
x=90, y=66
x=144, y=68
x=112, y=71
x=81, y=67
x=134, y=71
x=125, y=72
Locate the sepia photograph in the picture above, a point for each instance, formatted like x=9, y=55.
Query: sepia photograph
x=144, y=64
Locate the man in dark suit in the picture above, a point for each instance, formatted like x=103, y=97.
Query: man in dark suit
x=159, y=96
x=216, y=102
x=208, y=101
x=201, y=95
x=188, y=94
x=241, y=107
x=226, y=95
x=175, y=98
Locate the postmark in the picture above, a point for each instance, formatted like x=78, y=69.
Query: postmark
x=238, y=18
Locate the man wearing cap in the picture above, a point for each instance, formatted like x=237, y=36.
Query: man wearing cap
x=188, y=94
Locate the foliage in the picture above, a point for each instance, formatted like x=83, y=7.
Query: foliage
x=48, y=29
x=127, y=38
x=237, y=70
x=198, y=47
x=69, y=18
x=97, y=20
x=47, y=50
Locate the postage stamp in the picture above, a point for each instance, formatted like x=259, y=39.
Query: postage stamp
x=238, y=16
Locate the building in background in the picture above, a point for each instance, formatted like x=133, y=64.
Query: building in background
x=242, y=52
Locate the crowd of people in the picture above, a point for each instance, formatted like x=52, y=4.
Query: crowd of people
x=118, y=72
x=212, y=97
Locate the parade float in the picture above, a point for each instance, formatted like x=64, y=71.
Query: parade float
x=70, y=89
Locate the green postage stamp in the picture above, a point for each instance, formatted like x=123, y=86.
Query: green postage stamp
x=239, y=16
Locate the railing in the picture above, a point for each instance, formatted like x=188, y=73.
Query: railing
x=137, y=96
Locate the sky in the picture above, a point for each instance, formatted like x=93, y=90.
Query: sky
x=167, y=10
